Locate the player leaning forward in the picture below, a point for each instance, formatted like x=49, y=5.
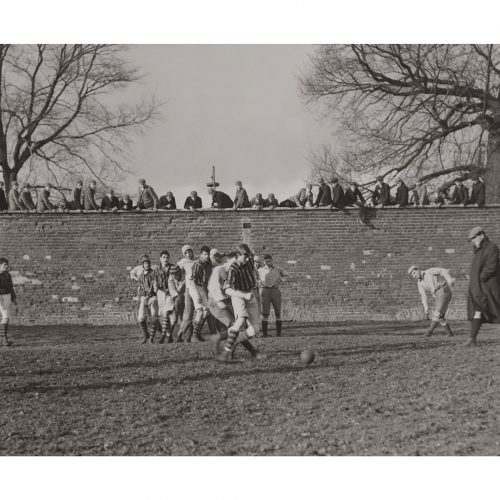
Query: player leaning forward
x=7, y=298
x=438, y=282
x=220, y=304
x=240, y=285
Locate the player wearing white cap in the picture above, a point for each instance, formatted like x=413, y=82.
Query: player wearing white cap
x=437, y=282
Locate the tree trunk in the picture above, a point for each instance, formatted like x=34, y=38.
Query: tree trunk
x=492, y=174
x=8, y=178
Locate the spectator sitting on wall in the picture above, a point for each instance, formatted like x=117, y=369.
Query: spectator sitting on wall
x=353, y=196
x=220, y=199
x=126, y=203
x=303, y=199
x=258, y=201
x=478, y=192
x=146, y=198
x=14, y=203
x=193, y=201
x=3, y=198
x=460, y=194
x=337, y=194
x=324, y=198
x=43, y=203
x=401, y=194
x=271, y=201
x=382, y=194
x=440, y=197
x=25, y=198
x=419, y=195
x=167, y=202
x=110, y=202
x=89, y=202
x=241, y=197
x=76, y=203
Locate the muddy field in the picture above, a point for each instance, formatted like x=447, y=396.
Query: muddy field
x=377, y=389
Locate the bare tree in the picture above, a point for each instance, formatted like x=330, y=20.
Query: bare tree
x=418, y=110
x=60, y=114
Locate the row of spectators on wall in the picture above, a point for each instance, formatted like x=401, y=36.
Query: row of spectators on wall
x=331, y=194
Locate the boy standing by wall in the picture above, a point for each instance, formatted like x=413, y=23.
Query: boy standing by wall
x=148, y=304
x=7, y=298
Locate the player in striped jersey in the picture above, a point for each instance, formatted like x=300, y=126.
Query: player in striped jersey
x=240, y=284
x=200, y=274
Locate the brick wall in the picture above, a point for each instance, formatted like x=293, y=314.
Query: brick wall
x=74, y=268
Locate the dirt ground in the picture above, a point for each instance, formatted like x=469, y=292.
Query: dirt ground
x=373, y=389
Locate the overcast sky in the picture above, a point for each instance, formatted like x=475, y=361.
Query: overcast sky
x=233, y=106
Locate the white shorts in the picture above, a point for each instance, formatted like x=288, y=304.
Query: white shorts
x=165, y=303
x=5, y=306
x=199, y=296
x=248, y=309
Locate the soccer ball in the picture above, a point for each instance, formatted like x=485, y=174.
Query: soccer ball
x=307, y=357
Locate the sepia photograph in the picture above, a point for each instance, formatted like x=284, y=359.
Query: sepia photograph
x=270, y=250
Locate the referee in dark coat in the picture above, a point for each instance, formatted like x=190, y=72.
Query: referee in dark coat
x=484, y=284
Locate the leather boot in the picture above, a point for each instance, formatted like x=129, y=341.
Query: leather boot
x=278, y=327
x=264, y=328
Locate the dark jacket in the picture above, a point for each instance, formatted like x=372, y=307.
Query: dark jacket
x=402, y=195
x=26, y=200
x=382, y=195
x=43, y=203
x=351, y=197
x=324, y=198
x=147, y=198
x=190, y=203
x=165, y=204
x=478, y=193
x=268, y=203
x=76, y=202
x=125, y=205
x=3, y=200
x=108, y=203
x=241, y=199
x=89, y=202
x=337, y=196
x=221, y=200
x=460, y=195
x=484, y=283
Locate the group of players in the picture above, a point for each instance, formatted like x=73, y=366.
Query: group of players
x=233, y=292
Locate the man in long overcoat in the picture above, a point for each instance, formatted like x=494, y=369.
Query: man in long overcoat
x=484, y=284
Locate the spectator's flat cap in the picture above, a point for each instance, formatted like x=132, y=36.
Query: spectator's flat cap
x=412, y=268
x=238, y=183
x=185, y=248
x=49, y=185
x=475, y=231
x=142, y=181
x=26, y=185
x=334, y=180
x=474, y=176
x=193, y=193
x=169, y=193
x=111, y=191
x=379, y=178
x=353, y=183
